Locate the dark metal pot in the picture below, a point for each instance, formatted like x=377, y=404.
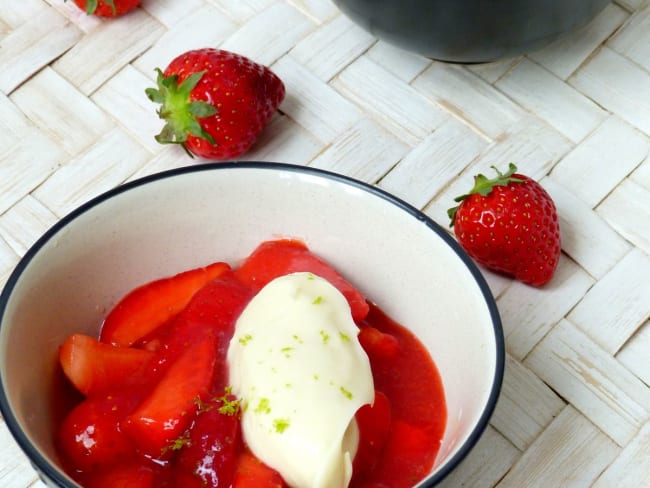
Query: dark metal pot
x=470, y=31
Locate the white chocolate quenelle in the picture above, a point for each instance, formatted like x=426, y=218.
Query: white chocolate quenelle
x=297, y=366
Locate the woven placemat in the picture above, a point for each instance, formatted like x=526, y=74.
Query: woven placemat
x=575, y=405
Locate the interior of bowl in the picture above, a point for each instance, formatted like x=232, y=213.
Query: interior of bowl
x=189, y=217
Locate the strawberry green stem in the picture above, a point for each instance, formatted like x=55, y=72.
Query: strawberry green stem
x=181, y=114
x=483, y=186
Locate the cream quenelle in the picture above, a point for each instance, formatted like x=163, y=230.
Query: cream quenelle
x=296, y=364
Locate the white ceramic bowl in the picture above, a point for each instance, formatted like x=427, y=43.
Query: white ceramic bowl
x=184, y=218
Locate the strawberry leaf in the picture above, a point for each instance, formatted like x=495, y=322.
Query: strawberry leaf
x=181, y=114
x=451, y=213
x=195, y=129
x=481, y=186
x=166, y=135
x=155, y=95
x=201, y=109
x=111, y=4
x=91, y=6
x=190, y=82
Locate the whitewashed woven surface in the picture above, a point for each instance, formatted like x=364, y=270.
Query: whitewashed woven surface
x=575, y=406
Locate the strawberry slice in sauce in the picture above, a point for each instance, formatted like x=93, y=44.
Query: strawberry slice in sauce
x=273, y=259
x=165, y=414
x=377, y=344
x=194, y=355
x=94, y=367
x=149, y=306
x=90, y=438
x=374, y=423
x=408, y=455
x=128, y=475
x=253, y=473
x=209, y=457
x=216, y=307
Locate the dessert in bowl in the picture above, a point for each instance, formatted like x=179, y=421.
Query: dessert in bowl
x=187, y=218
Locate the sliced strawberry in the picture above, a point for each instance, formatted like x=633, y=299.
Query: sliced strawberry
x=273, y=259
x=215, y=307
x=167, y=412
x=94, y=367
x=194, y=353
x=128, y=475
x=378, y=344
x=149, y=306
x=213, y=310
x=90, y=438
x=208, y=460
x=253, y=473
x=407, y=457
x=374, y=425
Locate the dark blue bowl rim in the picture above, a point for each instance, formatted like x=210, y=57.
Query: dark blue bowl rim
x=50, y=472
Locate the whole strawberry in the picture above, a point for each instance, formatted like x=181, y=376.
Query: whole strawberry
x=215, y=102
x=107, y=8
x=509, y=224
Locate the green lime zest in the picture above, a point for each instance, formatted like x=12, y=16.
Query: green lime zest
x=346, y=393
x=264, y=406
x=230, y=405
x=281, y=425
x=245, y=339
x=325, y=337
x=178, y=443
